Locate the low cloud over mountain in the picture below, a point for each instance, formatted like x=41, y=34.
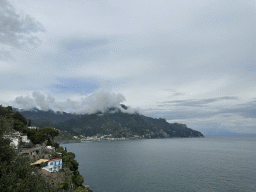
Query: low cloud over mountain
x=99, y=101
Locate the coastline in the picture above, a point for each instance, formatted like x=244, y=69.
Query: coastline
x=112, y=139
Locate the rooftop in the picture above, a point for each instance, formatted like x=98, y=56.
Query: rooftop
x=39, y=161
x=55, y=159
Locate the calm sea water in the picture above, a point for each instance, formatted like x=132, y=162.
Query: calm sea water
x=179, y=165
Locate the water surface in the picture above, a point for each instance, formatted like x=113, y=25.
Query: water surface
x=179, y=165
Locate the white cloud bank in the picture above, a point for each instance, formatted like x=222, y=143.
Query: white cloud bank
x=99, y=101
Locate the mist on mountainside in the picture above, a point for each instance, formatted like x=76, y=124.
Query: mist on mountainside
x=99, y=101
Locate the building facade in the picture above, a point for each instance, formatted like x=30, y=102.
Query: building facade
x=53, y=165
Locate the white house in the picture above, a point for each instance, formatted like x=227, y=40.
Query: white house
x=14, y=137
x=25, y=139
x=14, y=142
x=33, y=127
x=53, y=165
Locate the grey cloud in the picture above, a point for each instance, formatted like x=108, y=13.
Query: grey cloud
x=15, y=29
x=246, y=110
x=182, y=114
x=226, y=14
x=100, y=100
x=82, y=43
x=174, y=93
x=75, y=51
x=26, y=102
x=5, y=55
x=197, y=103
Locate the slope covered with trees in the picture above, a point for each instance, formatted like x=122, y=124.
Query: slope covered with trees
x=16, y=172
x=124, y=125
x=117, y=123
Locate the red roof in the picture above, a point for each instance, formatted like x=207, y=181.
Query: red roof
x=55, y=159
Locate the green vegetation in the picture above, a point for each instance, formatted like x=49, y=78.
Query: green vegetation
x=29, y=122
x=69, y=159
x=41, y=135
x=18, y=116
x=64, y=136
x=126, y=125
x=16, y=173
x=43, y=164
x=65, y=185
x=80, y=189
x=118, y=124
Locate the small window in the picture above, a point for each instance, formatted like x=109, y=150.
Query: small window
x=51, y=169
x=51, y=163
x=54, y=167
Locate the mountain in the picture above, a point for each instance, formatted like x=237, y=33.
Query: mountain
x=114, y=122
x=50, y=115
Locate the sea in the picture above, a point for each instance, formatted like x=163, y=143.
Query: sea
x=210, y=164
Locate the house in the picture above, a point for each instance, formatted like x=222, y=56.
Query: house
x=14, y=142
x=49, y=149
x=40, y=150
x=53, y=165
x=25, y=139
x=33, y=128
x=14, y=137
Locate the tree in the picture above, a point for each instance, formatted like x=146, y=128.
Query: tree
x=19, y=117
x=75, y=164
x=37, y=137
x=79, y=180
x=6, y=125
x=65, y=185
x=50, y=132
x=29, y=122
x=80, y=189
x=18, y=125
x=16, y=173
x=68, y=157
x=69, y=165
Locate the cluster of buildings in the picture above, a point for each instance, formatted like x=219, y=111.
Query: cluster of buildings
x=102, y=137
x=38, y=153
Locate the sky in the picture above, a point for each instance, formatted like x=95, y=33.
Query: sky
x=190, y=62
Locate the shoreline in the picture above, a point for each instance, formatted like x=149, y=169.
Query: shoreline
x=116, y=139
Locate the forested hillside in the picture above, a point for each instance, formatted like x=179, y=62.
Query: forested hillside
x=113, y=122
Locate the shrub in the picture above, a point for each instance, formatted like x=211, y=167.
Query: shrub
x=80, y=189
x=64, y=185
x=79, y=180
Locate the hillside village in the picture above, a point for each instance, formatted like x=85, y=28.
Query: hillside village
x=36, y=152
x=52, y=163
x=45, y=157
x=98, y=137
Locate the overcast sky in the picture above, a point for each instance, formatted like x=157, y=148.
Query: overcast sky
x=190, y=62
